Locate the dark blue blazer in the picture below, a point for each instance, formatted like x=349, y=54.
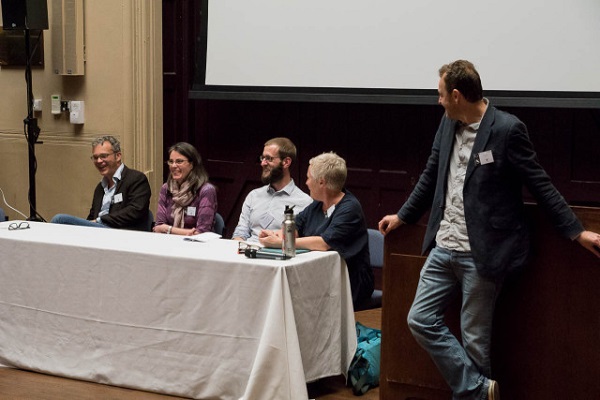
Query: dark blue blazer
x=493, y=200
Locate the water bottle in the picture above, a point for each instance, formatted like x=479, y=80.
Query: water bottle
x=289, y=233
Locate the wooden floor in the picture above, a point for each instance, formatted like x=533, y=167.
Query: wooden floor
x=24, y=385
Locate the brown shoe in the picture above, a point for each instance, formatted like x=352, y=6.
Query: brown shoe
x=493, y=390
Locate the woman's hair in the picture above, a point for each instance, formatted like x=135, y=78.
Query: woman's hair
x=331, y=168
x=198, y=175
x=462, y=76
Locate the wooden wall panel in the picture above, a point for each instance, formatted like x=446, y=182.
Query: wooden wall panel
x=385, y=146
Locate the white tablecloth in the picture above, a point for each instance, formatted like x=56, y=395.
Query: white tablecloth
x=157, y=313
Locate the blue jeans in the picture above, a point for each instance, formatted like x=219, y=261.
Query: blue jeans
x=465, y=366
x=67, y=219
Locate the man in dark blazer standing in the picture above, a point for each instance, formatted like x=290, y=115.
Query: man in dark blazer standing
x=480, y=160
x=121, y=199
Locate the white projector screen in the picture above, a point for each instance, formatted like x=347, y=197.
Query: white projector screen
x=535, y=49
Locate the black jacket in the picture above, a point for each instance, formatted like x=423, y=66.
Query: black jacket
x=493, y=200
x=132, y=212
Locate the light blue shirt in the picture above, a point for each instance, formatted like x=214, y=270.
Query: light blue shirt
x=263, y=209
x=109, y=192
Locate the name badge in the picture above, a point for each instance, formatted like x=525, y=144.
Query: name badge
x=485, y=157
x=265, y=220
x=118, y=198
x=191, y=211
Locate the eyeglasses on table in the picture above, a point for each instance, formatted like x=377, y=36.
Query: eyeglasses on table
x=17, y=226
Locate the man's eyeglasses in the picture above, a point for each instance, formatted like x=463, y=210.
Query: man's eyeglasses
x=102, y=156
x=18, y=226
x=179, y=161
x=267, y=158
x=243, y=246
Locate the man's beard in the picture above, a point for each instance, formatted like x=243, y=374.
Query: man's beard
x=274, y=176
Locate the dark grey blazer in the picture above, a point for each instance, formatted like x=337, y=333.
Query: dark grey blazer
x=132, y=212
x=493, y=200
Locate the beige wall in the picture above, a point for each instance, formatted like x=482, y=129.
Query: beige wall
x=122, y=90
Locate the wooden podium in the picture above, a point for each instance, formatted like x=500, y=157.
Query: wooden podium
x=546, y=340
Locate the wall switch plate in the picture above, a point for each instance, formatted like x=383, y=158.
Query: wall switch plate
x=55, y=103
x=37, y=105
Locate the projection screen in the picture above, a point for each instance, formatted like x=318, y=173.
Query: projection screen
x=531, y=53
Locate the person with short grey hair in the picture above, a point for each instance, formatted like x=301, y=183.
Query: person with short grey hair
x=331, y=168
x=121, y=199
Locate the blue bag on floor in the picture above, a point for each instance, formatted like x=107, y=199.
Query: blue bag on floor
x=364, y=368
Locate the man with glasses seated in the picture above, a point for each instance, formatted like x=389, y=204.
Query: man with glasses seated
x=121, y=199
x=263, y=207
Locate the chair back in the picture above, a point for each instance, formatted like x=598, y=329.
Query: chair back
x=375, y=248
x=219, y=225
x=376, y=261
x=149, y=222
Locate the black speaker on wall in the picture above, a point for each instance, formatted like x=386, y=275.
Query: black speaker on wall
x=24, y=14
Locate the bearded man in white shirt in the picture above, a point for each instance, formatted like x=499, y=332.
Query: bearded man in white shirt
x=263, y=207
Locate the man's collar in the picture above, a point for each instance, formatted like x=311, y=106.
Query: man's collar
x=119, y=173
x=116, y=177
x=286, y=189
x=474, y=127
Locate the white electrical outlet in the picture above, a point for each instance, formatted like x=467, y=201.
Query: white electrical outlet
x=77, y=115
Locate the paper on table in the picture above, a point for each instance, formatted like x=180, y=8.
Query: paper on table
x=253, y=244
x=202, y=237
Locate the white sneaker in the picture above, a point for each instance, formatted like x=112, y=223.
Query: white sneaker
x=493, y=390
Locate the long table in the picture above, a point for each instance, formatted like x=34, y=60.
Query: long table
x=157, y=313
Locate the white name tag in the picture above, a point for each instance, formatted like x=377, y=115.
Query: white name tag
x=118, y=198
x=191, y=211
x=265, y=220
x=486, y=157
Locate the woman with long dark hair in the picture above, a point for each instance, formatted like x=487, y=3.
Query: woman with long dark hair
x=187, y=202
